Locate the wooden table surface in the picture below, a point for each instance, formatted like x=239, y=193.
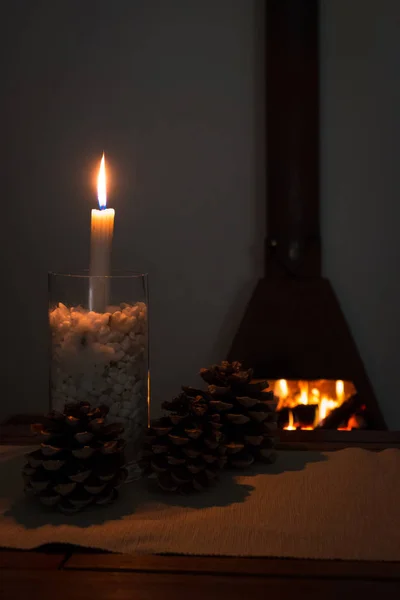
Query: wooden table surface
x=65, y=573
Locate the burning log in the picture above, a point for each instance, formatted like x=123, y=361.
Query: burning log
x=303, y=415
x=357, y=421
x=341, y=414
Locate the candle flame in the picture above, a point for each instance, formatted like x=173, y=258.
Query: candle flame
x=101, y=185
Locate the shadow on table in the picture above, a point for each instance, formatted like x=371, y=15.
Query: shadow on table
x=230, y=490
x=143, y=495
x=287, y=461
x=27, y=511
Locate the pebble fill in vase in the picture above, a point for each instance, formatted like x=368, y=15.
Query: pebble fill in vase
x=102, y=357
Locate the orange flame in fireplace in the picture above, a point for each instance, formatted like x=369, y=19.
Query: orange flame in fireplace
x=281, y=391
x=325, y=395
x=303, y=399
x=325, y=407
x=290, y=426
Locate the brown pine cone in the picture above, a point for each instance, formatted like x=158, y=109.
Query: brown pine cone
x=247, y=413
x=80, y=461
x=184, y=449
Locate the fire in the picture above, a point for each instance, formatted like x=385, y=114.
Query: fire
x=101, y=184
x=283, y=386
x=340, y=391
x=303, y=385
x=324, y=395
x=281, y=391
x=290, y=426
x=325, y=406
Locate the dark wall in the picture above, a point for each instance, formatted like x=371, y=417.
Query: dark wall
x=171, y=91
x=166, y=88
x=360, y=153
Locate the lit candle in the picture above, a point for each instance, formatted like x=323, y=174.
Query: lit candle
x=102, y=228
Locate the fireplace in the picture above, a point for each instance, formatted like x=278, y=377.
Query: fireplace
x=294, y=333
x=304, y=405
x=308, y=405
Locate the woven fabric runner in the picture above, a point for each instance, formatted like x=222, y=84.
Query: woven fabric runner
x=327, y=505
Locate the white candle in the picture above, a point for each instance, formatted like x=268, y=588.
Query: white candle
x=102, y=229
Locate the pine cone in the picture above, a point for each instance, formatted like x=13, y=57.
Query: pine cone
x=247, y=413
x=184, y=449
x=80, y=461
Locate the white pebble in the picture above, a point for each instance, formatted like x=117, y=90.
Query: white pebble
x=134, y=349
x=122, y=378
x=105, y=318
x=139, y=412
x=137, y=387
x=72, y=391
x=104, y=334
x=124, y=412
x=102, y=352
x=129, y=324
x=125, y=344
x=119, y=420
x=87, y=385
x=116, y=316
x=115, y=408
x=140, y=340
x=136, y=399
x=58, y=404
x=132, y=370
x=119, y=356
x=116, y=397
x=116, y=346
x=115, y=336
x=118, y=388
x=126, y=395
x=127, y=405
x=121, y=322
x=129, y=383
x=81, y=395
x=134, y=311
x=107, y=400
x=101, y=386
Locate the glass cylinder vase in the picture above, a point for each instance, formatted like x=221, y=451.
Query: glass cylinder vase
x=102, y=355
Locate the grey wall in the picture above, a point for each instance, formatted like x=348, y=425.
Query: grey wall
x=360, y=66
x=171, y=91
x=167, y=89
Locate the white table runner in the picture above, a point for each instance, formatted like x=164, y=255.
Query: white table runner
x=327, y=505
